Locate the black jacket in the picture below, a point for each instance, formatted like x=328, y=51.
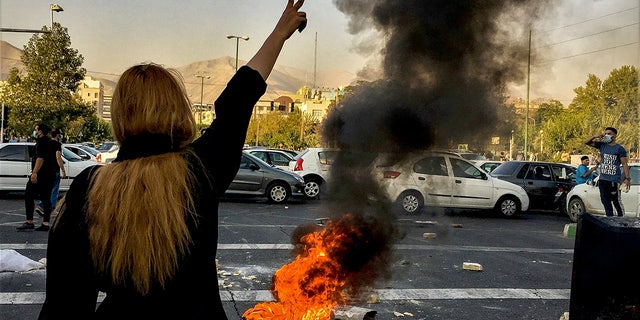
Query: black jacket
x=73, y=286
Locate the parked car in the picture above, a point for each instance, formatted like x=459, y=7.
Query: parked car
x=83, y=151
x=275, y=157
x=546, y=183
x=487, y=165
x=258, y=178
x=470, y=155
x=108, y=151
x=313, y=164
x=446, y=180
x=15, y=165
x=585, y=197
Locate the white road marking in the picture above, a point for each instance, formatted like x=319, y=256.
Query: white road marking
x=16, y=298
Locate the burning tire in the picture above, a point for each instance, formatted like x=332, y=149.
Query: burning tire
x=410, y=202
x=278, y=192
x=576, y=208
x=508, y=206
x=312, y=188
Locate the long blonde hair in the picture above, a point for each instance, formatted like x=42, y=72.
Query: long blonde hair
x=137, y=208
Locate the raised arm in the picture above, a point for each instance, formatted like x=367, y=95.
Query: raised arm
x=590, y=141
x=264, y=60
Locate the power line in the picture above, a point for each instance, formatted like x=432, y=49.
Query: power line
x=589, y=35
x=587, y=53
x=588, y=20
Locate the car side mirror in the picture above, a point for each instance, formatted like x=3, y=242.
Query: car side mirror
x=483, y=176
x=254, y=166
x=85, y=157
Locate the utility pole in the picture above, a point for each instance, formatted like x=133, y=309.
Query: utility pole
x=526, y=120
x=201, y=95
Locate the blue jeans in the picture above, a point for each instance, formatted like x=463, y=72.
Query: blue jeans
x=54, y=193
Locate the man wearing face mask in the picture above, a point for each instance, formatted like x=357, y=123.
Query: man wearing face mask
x=612, y=155
x=42, y=179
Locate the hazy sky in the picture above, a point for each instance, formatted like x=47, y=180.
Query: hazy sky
x=579, y=37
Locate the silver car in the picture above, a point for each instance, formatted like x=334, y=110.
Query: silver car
x=258, y=178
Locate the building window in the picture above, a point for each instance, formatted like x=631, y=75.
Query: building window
x=95, y=95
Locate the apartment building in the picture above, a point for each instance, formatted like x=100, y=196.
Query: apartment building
x=92, y=91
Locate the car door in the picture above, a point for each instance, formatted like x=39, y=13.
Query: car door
x=540, y=186
x=631, y=199
x=16, y=166
x=471, y=188
x=249, y=177
x=431, y=175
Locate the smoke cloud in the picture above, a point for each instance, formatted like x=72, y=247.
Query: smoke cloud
x=444, y=65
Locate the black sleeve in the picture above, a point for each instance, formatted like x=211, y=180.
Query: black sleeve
x=71, y=291
x=220, y=147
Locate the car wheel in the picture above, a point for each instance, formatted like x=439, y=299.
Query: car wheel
x=278, y=192
x=312, y=188
x=576, y=208
x=508, y=206
x=410, y=202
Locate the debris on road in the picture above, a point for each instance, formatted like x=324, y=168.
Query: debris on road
x=471, y=266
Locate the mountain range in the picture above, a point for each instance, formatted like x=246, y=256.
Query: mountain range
x=283, y=80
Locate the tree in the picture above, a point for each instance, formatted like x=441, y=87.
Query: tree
x=598, y=104
x=295, y=131
x=46, y=91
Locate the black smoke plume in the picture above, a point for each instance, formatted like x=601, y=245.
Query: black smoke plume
x=444, y=69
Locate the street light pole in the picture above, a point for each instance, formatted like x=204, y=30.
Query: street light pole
x=245, y=38
x=201, y=95
x=54, y=7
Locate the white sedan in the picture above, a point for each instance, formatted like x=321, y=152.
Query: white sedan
x=445, y=180
x=15, y=165
x=586, y=197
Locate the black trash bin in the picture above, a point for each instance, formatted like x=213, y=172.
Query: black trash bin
x=605, y=282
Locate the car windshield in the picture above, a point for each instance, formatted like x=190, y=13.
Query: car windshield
x=256, y=159
x=106, y=146
x=507, y=168
x=472, y=156
x=93, y=151
x=70, y=156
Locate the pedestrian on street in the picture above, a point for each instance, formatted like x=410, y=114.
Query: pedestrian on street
x=612, y=156
x=583, y=172
x=41, y=180
x=57, y=147
x=143, y=229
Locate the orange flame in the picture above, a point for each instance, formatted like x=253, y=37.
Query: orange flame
x=312, y=285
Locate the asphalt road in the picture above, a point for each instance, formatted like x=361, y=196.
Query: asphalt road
x=526, y=261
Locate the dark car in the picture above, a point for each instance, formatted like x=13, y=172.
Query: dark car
x=546, y=183
x=258, y=178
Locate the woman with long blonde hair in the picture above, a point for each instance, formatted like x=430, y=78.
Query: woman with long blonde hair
x=143, y=229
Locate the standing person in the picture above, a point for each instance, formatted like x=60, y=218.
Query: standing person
x=143, y=229
x=612, y=156
x=57, y=147
x=41, y=181
x=583, y=172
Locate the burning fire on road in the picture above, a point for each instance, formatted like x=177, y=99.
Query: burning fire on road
x=332, y=266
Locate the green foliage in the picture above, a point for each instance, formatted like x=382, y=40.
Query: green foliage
x=295, y=131
x=46, y=91
x=598, y=104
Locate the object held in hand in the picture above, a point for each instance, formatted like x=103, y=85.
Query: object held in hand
x=624, y=187
x=302, y=25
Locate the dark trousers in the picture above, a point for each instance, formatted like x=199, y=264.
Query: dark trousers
x=39, y=191
x=610, y=197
